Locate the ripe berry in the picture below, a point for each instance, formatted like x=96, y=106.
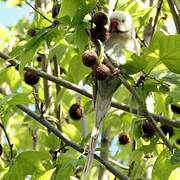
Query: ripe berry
x=178, y=141
x=99, y=33
x=76, y=111
x=102, y=72
x=100, y=19
x=89, y=58
x=31, y=78
x=123, y=139
x=41, y=57
x=175, y=109
x=31, y=32
x=148, y=129
x=55, y=10
x=167, y=130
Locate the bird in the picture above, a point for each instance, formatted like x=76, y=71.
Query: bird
x=122, y=36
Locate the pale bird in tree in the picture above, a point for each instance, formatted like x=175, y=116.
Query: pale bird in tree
x=121, y=37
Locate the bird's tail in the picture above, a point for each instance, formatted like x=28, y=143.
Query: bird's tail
x=101, y=107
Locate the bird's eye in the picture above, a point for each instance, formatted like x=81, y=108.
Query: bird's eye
x=123, y=20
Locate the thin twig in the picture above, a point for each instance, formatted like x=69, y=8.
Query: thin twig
x=71, y=86
x=175, y=13
x=156, y=17
x=39, y=12
x=57, y=73
x=115, y=5
x=9, y=143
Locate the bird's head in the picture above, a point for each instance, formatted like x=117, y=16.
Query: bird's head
x=120, y=22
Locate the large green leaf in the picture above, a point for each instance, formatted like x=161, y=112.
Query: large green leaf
x=163, y=166
x=69, y=7
x=27, y=163
x=15, y=98
x=77, y=70
x=168, y=50
x=47, y=175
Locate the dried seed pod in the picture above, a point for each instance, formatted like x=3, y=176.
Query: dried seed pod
x=76, y=111
x=31, y=78
x=167, y=130
x=100, y=19
x=99, y=33
x=123, y=139
x=148, y=129
x=89, y=58
x=102, y=72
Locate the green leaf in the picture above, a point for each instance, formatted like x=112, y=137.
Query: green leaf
x=47, y=175
x=175, y=158
x=58, y=50
x=135, y=64
x=81, y=37
x=15, y=98
x=136, y=128
x=168, y=49
x=75, y=66
x=69, y=7
x=51, y=141
x=27, y=163
x=72, y=132
x=163, y=166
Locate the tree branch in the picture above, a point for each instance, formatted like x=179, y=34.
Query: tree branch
x=39, y=12
x=70, y=143
x=68, y=85
x=175, y=13
x=146, y=113
x=9, y=143
x=156, y=17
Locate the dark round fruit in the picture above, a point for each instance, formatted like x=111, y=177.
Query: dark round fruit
x=102, y=72
x=76, y=111
x=175, y=109
x=123, y=139
x=178, y=141
x=89, y=58
x=1, y=149
x=41, y=57
x=100, y=19
x=31, y=32
x=31, y=78
x=148, y=129
x=167, y=130
x=55, y=10
x=99, y=33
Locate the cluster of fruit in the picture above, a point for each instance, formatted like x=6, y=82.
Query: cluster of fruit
x=148, y=131
x=90, y=58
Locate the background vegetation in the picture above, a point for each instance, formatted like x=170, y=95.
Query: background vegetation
x=40, y=140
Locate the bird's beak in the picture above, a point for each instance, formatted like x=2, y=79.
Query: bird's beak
x=113, y=26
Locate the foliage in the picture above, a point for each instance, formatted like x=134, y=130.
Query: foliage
x=39, y=154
